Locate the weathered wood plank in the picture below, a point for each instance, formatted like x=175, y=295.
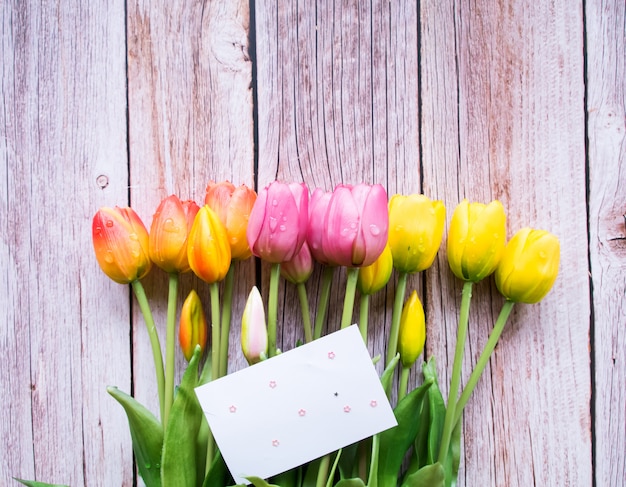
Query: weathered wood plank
x=190, y=116
x=337, y=103
x=606, y=107
x=63, y=144
x=502, y=117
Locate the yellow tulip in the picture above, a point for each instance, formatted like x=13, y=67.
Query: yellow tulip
x=208, y=248
x=374, y=277
x=412, y=334
x=415, y=231
x=476, y=239
x=193, y=326
x=529, y=266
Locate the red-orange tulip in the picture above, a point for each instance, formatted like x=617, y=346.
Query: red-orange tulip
x=169, y=231
x=120, y=241
x=233, y=206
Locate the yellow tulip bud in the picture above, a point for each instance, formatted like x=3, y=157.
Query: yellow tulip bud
x=208, y=249
x=476, y=239
x=193, y=326
x=415, y=231
x=374, y=277
x=412, y=333
x=529, y=266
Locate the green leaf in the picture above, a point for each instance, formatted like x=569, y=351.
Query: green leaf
x=385, y=379
x=395, y=442
x=178, y=465
x=259, y=482
x=34, y=483
x=351, y=456
x=437, y=411
x=218, y=473
x=428, y=476
x=147, y=435
x=290, y=478
x=350, y=483
x=310, y=474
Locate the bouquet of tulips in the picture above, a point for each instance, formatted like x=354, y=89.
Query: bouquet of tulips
x=352, y=227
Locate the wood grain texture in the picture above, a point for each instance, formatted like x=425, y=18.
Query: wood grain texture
x=606, y=110
x=107, y=103
x=63, y=142
x=503, y=118
x=337, y=103
x=190, y=118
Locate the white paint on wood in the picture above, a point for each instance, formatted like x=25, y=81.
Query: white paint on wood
x=606, y=109
x=63, y=140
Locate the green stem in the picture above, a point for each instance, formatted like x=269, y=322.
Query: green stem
x=398, y=303
x=372, y=480
x=157, y=356
x=306, y=314
x=507, y=307
x=404, y=382
x=227, y=301
x=364, y=309
x=455, y=379
x=210, y=452
x=322, y=305
x=215, y=330
x=272, y=309
x=170, y=341
x=348, y=302
x=322, y=471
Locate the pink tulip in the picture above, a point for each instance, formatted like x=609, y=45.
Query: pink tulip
x=299, y=269
x=278, y=221
x=356, y=225
x=317, y=215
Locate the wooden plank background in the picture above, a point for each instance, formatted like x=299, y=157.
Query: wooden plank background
x=113, y=102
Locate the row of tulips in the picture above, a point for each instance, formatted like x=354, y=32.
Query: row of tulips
x=355, y=227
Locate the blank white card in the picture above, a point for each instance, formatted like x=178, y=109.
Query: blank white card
x=296, y=406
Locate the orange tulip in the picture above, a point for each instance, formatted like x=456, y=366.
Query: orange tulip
x=207, y=248
x=120, y=241
x=169, y=231
x=233, y=206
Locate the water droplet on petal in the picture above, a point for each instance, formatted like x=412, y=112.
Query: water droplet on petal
x=374, y=230
x=109, y=223
x=273, y=223
x=170, y=226
x=282, y=228
x=109, y=257
x=542, y=254
x=274, y=203
x=133, y=236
